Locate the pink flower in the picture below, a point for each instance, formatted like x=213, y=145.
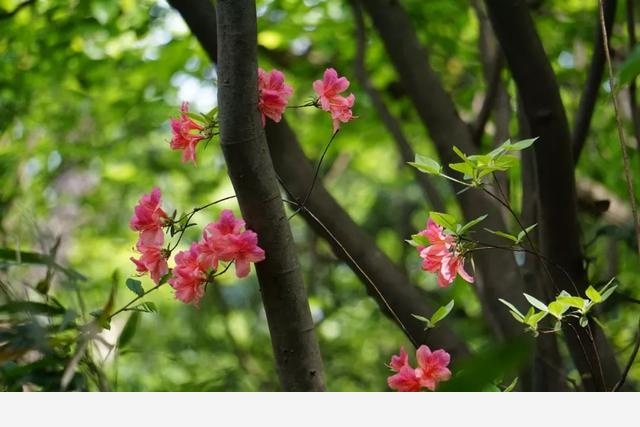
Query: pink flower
x=243, y=249
x=328, y=90
x=441, y=256
x=225, y=240
x=274, y=94
x=152, y=260
x=187, y=276
x=186, y=134
x=215, y=239
x=432, y=369
x=148, y=218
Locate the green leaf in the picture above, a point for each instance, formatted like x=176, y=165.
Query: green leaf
x=135, y=286
x=523, y=234
x=630, y=67
x=471, y=223
x=572, y=301
x=442, y=312
x=511, y=237
x=593, y=295
x=606, y=294
x=459, y=153
x=419, y=240
x=129, y=330
x=512, y=307
x=22, y=257
x=426, y=165
x=583, y=321
x=463, y=168
x=145, y=307
x=535, y=318
x=511, y=386
x=557, y=309
x=536, y=303
x=444, y=220
x=521, y=145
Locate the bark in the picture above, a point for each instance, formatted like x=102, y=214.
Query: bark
x=558, y=225
x=547, y=373
x=592, y=86
x=333, y=223
x=497, y=274
x=251, y=171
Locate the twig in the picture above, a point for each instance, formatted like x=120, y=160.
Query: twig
x=621, y=140
x=627, y=368
x=315, y=175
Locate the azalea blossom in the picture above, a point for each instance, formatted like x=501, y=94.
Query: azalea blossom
x=187, y=277
x=328, y=90
x=226, y=240
x=274, y=94
x=186, y=134
x=441, y=256
x=432, y=369
x=149, y=218
x=152, y=260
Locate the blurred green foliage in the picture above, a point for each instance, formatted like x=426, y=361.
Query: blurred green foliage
x=86, y=91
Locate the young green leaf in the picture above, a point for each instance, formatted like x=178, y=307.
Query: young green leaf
x=536, y=303
x=557, y=309
x=521, y=145
x=512, y=307
x=444, y=220
x=572, y=301
x=426, y=165
x=513, y=238
x=606, y=294
x=427, y=322
x=135, y=286
x=593, y=295
x=511, y=386
x=419, y=240
x=524, y=232
x=441, y=313
x=471, y=223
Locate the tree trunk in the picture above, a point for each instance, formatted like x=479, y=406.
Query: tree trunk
x=249, y=165
x=558, y=227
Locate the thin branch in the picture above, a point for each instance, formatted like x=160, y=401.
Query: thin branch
x=582, y=120
x=632, y=359
x=621, y=137
x=633, y=105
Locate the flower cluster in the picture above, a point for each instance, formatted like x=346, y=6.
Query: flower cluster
x=441, y=256
x=148, y=219
x=186, y=134
x=274, y=94
x=432, y=368
x=224, y=240
x=328, y=90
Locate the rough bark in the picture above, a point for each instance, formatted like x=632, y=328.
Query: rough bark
x=497, y=273
x=592, y=86
x=251, y=171
x=558, y=225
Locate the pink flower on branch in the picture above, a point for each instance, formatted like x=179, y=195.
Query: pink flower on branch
x=186, y=134
x=149, y=218
x=274, y=94
x=328, y=90
x=432, y=369
x=226, y=240
x=441, y=256
x=187, y=277
x=152, y=260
